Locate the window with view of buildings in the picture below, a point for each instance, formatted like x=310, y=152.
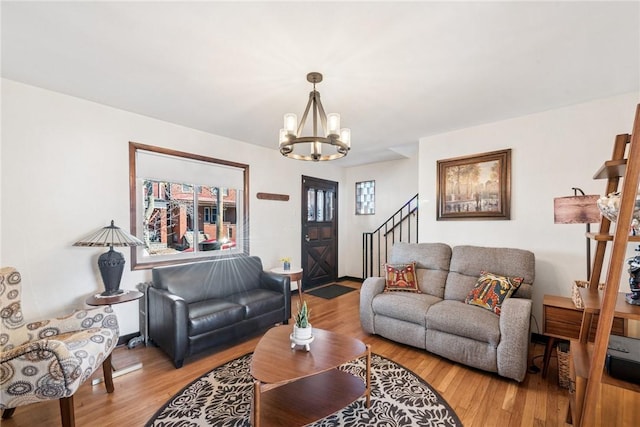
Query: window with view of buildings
x=186, y=206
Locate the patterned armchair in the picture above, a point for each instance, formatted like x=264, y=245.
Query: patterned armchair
x=50, y=359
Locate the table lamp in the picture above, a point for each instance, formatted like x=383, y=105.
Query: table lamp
x=582, y=209
x=110, y=263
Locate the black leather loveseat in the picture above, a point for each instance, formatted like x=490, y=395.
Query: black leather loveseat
x=196, y=306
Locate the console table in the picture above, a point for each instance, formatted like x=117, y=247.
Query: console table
x=561, y=319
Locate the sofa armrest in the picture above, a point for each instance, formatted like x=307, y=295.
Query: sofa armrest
x=275, y=282
x=514, y=338
x=371, y=287
x=168, y=316
x=279, y=283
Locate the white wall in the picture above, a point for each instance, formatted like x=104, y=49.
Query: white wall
x=551, y=152
x=65, y=173
x=396, y=183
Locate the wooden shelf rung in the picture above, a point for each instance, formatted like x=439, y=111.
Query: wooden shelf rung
x=611, y=169
x=606, y=237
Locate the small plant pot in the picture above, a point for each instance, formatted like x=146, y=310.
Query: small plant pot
x=302, y=334
x=286, y=266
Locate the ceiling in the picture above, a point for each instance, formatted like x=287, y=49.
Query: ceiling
x=396, y=71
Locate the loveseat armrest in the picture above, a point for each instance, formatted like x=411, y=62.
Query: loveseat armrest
x=169, y=323
x=281, y=284
x=371, y=287
x=514, y=338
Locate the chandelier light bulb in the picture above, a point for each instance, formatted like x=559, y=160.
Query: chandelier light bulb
x=345, y=136
x=283, y=137
x=290, y=123
x=316, y=149
x=333, y=124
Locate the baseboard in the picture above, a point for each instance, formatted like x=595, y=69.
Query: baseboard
x=350, y=278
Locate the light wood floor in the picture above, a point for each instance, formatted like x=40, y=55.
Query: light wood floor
x=479, y=398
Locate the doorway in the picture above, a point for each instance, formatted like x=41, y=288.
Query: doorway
x=319, y=239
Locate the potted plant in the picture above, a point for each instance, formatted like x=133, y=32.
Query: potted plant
x=286, y=263
x=302, y=328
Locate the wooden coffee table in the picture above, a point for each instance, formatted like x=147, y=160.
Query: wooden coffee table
x=294, y=387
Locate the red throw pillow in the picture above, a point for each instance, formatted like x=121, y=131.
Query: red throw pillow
x=401, y=277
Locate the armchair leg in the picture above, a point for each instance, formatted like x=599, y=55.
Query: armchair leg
x=66, y=412
x=107, y=370
x=8, y=413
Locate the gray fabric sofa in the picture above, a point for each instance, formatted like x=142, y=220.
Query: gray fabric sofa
x=196, y=306
x=439, y=321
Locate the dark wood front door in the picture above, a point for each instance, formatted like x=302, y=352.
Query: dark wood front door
x=319, y=231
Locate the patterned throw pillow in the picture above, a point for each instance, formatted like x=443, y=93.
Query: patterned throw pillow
x=401, y=277
x=491, y=290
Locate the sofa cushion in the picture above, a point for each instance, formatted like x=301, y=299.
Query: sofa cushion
x=458, y=318
x=431, y=281
x=258, y=301
x=401, y=277
x=491, y=290
x=432, y=263
x=468, y=261
x=199, y=281
x=205, y=316
x=407, y=306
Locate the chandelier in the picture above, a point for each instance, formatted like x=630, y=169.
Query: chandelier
x=290, y=136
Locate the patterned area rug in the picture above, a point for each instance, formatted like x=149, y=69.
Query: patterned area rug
x=223, y=398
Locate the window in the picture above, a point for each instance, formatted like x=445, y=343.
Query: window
x=186, y=207
x=365, y=198
x=319, y=205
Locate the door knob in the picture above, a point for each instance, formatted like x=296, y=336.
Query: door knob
x=306, y=238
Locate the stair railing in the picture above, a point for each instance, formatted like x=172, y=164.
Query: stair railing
x=402, y=226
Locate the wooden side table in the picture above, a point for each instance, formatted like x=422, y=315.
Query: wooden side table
x=561, y=319
x=126, y=296
x=295, y=274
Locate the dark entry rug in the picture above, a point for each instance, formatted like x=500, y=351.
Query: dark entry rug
x=330, y=291
x=223, y=398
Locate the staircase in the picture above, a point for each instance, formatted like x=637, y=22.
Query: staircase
x=402, y=226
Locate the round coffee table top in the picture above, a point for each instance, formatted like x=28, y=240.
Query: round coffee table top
x=274, y=362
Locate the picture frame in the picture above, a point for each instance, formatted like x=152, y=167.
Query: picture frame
x=475, y=187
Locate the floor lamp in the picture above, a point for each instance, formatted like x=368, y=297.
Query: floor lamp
x=578, y=209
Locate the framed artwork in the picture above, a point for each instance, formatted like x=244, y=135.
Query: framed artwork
x=366, y=198
x=475, y=187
